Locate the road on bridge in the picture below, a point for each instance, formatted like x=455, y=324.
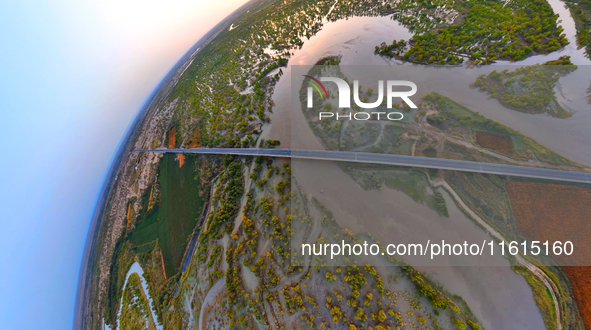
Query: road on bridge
x=397, y=160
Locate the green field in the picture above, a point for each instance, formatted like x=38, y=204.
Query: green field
x=174, y=221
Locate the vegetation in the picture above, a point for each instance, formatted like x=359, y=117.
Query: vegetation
x=437, y=299
x=135, y=310
x=473, y=325
x=272, y=143
x=391, y=50
x=470, y=122
x=486, y=31
x=528, y=89
x=541, y=296
x=226, y=199
x=562, y=60
x=459, y=324
x=174, y=220
x=250, y=57
x=581, y=13
x=415, y=184
x=224, y=96
x=121, y=262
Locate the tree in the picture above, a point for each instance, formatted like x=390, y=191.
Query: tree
x=459, y=323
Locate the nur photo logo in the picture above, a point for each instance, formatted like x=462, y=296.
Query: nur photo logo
x=344, y=98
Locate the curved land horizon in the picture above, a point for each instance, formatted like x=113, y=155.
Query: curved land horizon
x=193, y=220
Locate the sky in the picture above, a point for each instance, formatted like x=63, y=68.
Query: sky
x=73, y=75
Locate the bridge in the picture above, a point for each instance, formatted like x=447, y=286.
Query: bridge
x=396, y=160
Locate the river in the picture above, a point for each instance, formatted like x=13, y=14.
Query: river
x=493, y=293
x=355, y=38
x=499, y=297
x=136, y=268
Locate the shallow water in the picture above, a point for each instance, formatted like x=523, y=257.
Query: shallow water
x=492, y=292
x=568, y=24
x=354, y=39
x=136, y=268
x=500, y=298
x=218, y=286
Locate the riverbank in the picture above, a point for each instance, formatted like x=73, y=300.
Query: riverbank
x=143, y=169
x=89, y=289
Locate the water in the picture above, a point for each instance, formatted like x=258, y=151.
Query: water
x=492, y=292
x=209, y=299
x=500, y=298
x=568, y=24
x=354, y=39
x=568, y=137
x=136, y=268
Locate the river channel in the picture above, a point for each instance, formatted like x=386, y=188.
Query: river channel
x=499, y=297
